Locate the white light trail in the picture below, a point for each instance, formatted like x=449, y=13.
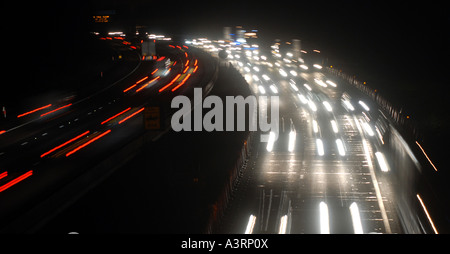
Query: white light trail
x=312, y=105
x=315, y=126
x=307, y=87
x=356, y=219
x=262, y=90
x=382, y=161
x=331, y=83
x=283, y=73
x=294, y=87
x=283, y=225
x=366, y=152
x=349, y=105
x=271, y=141
x=334, y=126
x=340, y=147
x=327, y=106
x=292, y=137
x=273, y=88
x=250, y=224
x=379, y=135
x=302, y=98
x=304, y=67
x=319, y=144
x=320, y=82
x=317, y=66
x=324, y=218
x=364, y=105
x=368, y=129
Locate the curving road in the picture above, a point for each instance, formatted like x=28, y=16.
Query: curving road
x=332, y=168
x=59, y=150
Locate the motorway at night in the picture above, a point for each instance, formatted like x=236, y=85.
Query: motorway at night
x=241, y=119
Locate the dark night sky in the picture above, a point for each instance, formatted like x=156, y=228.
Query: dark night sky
x=417, y=30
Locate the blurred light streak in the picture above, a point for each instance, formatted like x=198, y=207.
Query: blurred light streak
x=334, y=126
x=302, y=98
x=382, y=162
x=340, y=147
x=364, y=105
x=379, y=135
x=87, y=143
x=366, y=152
x=349, y=105
x=312, y=105
x=320, y=82
x=307, y=87
x=356, y=219
x=368, y=129
x=250, y=224
x=283, y=225
x=171, y=82
x=4, y=174
x=273, y=88
x=65, y=143
x=182, y=82
x=130, y=116
x=34, y=110
x=315, y=126
x=294, y=87
x=271, y=141
x=129, y=88
x=262, y=90
x=16, y=180
x=428, y=215
x=317, y=66
x=116, y=115
x=331, y=83
x=327, y=106
x=292, y=137
x=423, y=151
x=324, y=218
x=65, y=106
x=139, y=81
x=320, y=149
x=146, y=84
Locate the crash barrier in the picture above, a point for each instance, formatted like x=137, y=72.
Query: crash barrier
x=235, y=175
x=395, y=112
